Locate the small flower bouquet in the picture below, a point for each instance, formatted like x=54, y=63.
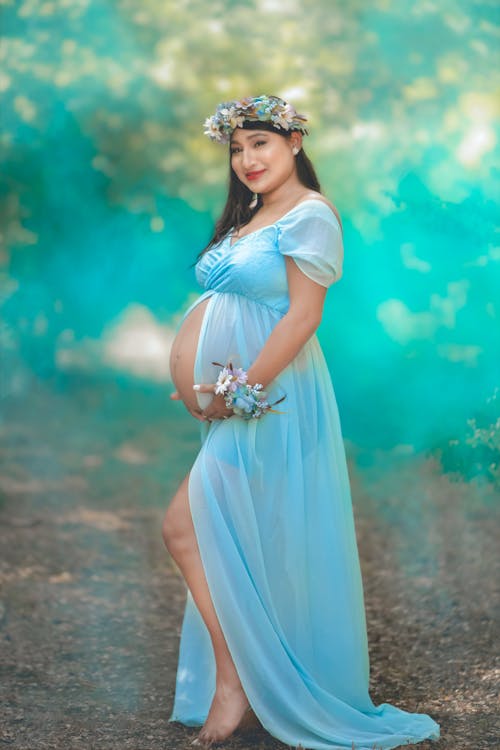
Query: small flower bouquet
x=247, y=401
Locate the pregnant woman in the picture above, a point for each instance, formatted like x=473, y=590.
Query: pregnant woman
x=262, y=527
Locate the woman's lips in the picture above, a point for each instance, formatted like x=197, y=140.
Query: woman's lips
x=255, y=175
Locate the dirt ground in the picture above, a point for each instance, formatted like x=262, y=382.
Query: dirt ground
x=91, y=604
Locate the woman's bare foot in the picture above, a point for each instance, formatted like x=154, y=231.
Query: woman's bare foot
x=228, y=708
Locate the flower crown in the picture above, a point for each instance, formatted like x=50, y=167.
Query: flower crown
x=231, y=115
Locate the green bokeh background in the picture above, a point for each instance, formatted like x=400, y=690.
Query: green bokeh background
x=109, y=190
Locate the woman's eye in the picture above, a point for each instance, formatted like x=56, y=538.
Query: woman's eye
x=236, y=150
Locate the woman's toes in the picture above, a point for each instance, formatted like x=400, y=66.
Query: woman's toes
x=199, y=742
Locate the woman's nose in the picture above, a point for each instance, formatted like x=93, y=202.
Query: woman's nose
x=247, y=159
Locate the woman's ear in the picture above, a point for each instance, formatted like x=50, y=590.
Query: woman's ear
x=296, y=142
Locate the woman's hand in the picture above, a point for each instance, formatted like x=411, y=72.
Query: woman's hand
x=217, y=408
x=196, y=413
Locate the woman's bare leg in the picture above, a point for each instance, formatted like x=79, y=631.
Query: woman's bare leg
x=230, y=702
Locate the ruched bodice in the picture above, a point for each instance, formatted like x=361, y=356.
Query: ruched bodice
x=254, y=265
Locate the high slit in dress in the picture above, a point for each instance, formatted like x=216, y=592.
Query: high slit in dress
x=272, y=511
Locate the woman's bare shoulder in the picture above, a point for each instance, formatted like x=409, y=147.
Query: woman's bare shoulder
x=319, y=196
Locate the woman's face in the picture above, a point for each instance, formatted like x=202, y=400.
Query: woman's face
x=262, y=160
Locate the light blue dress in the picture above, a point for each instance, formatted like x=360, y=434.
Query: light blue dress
x=272, y=511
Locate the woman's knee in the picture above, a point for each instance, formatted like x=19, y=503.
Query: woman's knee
x=167, y=529
x=171, y=530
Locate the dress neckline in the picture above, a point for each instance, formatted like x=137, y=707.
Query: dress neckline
x=267, y=226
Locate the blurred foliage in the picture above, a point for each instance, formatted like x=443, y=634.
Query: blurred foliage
x=108, y=188
x=477, y=453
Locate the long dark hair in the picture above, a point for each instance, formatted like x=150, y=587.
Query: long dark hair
x=237, y=211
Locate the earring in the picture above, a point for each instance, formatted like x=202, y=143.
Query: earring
x=295, y=150
x=253, y=202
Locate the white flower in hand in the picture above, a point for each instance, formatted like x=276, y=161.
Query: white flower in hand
x=223, y=381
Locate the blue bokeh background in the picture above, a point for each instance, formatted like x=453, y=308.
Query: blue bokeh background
x=109, y=190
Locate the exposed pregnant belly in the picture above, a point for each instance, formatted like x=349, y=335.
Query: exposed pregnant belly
x=183, y=354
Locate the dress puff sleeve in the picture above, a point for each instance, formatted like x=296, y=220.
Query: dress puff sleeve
x=311, y=234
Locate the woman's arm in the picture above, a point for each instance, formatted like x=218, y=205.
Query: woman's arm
x=287, y=337
x=293, y=330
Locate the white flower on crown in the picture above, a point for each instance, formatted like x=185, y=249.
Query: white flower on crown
x=211, y=128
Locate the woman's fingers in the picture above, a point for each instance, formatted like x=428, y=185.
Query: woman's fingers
x=204, y=387
x=217, y=408
x=223, y=413
x=217, y=411
x=198, y=415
